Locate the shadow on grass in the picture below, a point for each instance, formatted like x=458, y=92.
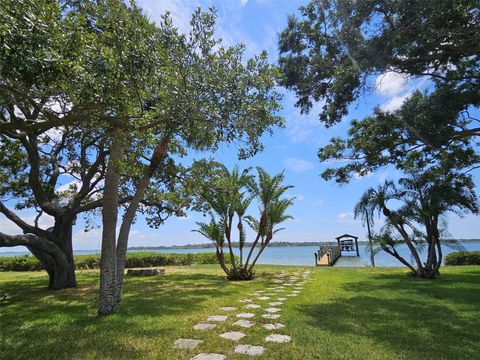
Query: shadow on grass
x=62, y=324
x=416, y=318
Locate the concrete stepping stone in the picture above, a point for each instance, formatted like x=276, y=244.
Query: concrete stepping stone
x=277, y=281
x=295, y=292
x=253, y=306
x=282, y=299
x=275, y=303
x=211, y=356
x=270, y=316
x=244, y=323
x=264, y=298
x=245, y=300
x=291, y=295
x=273, y=310
x=204, y=326
x=186, y=343
x=287, y=284
x=277, y=338
x=233, y=335
x=249, y=350
x=273, y=326
x=245, y=315
x=227, y=308
x=217, y=318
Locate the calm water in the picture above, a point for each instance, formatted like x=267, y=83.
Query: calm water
x=304, y=255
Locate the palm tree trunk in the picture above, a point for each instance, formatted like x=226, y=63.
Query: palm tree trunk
x=251, y=250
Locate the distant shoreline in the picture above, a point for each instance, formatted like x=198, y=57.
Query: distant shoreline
x=272, y=244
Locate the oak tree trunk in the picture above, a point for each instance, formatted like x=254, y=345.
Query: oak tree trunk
x=158, y=157
x=107, y=303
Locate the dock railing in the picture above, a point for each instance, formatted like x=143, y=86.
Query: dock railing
x=331, y=250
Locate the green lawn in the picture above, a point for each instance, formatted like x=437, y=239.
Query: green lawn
x=343, y=313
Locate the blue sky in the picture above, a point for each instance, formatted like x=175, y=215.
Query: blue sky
x=322, y=210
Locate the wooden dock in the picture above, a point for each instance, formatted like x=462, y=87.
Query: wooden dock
x=328, y=253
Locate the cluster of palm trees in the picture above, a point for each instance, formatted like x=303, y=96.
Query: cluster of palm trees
x=413, y=210
x=229, y=196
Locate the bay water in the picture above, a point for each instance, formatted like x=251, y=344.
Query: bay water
x=305, y=255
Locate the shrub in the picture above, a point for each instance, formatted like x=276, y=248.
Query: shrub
x=463, y=258
x=83, y=262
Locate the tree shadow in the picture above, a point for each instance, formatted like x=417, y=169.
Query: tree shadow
x=411, y=317
x=65, y=324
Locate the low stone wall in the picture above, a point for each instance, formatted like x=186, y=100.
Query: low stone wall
x=154, y=271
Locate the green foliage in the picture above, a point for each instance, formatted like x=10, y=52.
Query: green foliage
x=413, y=212
x=429, y=130
x=136, y=259
x=463, y=258
x=330, y=52
x=229, y=196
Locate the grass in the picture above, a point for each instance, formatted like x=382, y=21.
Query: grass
x=343, y=313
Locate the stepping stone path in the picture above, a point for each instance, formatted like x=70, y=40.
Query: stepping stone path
x=249, y=350
x=186, y=343
x=278, y=338
x=244, y=323
x=286, y=282
x=270, y=316
x=204, y=356
x=275, y=303
x=272, y=310
x=232, y=335
x=217, y=318
x=273, y=326
x=204, y=326
x=228, y=308
x=245, y=315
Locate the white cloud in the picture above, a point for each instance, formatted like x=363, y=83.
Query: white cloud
x=298, y=133
x=345, y=216
x=9, y=228
x=359, y=176
x=298, y=165
x=73, y=186
x=383, y=176
x=180, y=11
x=243, y=2
x=295, y=196
x=300, y=127
x=390, y=83
x=395, y=102
x=317, y=202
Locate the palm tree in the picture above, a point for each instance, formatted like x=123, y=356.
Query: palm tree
x=424, y=198
x=232, y=194
x=214, y=231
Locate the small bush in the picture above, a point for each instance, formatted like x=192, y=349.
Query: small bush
x=134, y=260
x=463, y=258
